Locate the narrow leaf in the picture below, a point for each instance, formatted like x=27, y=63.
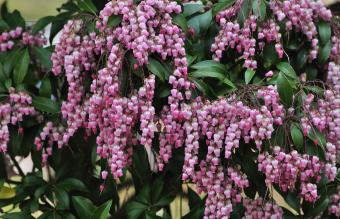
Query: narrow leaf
x=46, y=105
x=249, y=75
x=21, y=67
x=41, y=24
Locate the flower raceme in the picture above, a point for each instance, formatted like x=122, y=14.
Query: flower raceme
x=121, y=118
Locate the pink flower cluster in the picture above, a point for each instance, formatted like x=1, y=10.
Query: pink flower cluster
x=146, y=28
x=231, y=35
x=259, y=208
x=12, y=112
x=334, y=207
x=8, y=39
x=50, y=134
x=302, y=15
x=270, y=32
x=230, y=12
x=285, y=169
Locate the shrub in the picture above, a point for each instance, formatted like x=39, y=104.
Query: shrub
x=237, y=98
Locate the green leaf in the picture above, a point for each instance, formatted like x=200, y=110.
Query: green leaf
x=284, y=89
x=21, y=67
x=192, y=8
x=158, y=69
x=135, y=209
x=319, y=207
x=222, y=5
x=83, y=207
x=45, y=88
x=293, y=201
x=301, y=59
x=315, y=89
x=3, y=75
x=181, y=21
x=87, y=5
x=229, y=83
x=43, y=55
x=203, y=87
x=270, y=56
x=249, y=74
x=63, y=201
x=207, y=74
x=201, y=22
x=3, y=25
x=244, y=12
x=316, y=136
x=15, y=19
x=10, y=61
x=165, y=200
x=325, y=31
x=114, y=21
x=71, y=184
x=259, y=9
x=17, y=215
x=41, y=24
x=59, y=22
x=287, y=69
x=324, y=52
x=103, y=211
x=46, y=105
x=40, y=191
x=208, y=65
x=158, y=186
x=312, y=73
x=297, y=136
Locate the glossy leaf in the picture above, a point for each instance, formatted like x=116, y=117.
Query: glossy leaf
x=181, y=21
x=287, y=69
x=297, y=136
x=192, y=8
x=62, y=198
x=207, y=74
x=41, y=24
x=43, y=55
x=102, y=212
x=87, y=5
x=259, y=9
x=222, y=5
x=71, y=184
x=158, y=69
x=21, y=68
x=248, y=75
x=15, y=19
x=324, y=52
x=83, y=207
x=45, y=105
x=325, y=31
x=135, y=209
x=209, y=64
x=284, y=89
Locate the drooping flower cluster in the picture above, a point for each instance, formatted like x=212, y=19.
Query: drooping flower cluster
x=12, y=112
x=50, y=134
x=8, y=39
x=145, y=29
x=284, y=169
x=334, y=207
x=302, y=14
x=122, y=119
x=258, y=209
x=237, y=38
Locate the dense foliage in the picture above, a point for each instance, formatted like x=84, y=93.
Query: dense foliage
x=229, y=104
